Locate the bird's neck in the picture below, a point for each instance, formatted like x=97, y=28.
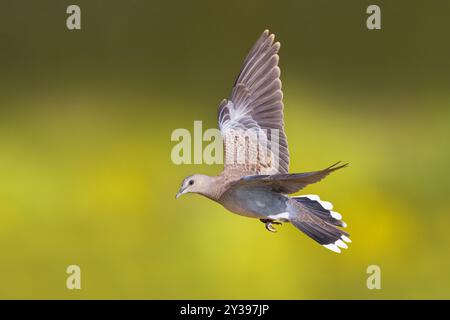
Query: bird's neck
x=214, y=189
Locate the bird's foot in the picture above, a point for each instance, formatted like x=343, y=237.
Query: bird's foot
x=269, y=224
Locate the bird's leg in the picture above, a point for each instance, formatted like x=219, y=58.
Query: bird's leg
x=269, y=224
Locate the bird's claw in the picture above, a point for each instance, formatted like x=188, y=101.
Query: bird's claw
x=269, y=224
x=270, y=227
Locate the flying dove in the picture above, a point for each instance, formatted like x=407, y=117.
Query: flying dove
x=255, y=181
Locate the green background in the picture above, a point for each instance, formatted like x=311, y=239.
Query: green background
x=86, y=176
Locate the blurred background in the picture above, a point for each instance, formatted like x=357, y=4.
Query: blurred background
x=86, y=176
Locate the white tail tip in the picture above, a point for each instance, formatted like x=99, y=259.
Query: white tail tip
x=341, y=244
x=336, y=215
x=326, y=204
x=346, y=239
x=338, y=244
x=333, y=247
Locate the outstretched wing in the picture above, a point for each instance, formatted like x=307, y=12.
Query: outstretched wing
x=251, y=121
x=287, y=183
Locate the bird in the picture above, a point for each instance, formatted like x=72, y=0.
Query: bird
x=255, y=181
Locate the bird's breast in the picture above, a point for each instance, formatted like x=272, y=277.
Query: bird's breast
x=254, y=202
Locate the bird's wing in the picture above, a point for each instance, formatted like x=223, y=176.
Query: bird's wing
x=251, y=120
x=287, y=183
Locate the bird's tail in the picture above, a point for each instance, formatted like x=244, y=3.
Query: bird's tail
x=316, y=219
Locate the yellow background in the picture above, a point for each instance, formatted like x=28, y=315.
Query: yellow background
x=86, y=176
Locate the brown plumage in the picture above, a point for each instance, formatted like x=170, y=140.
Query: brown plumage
x=255, y=180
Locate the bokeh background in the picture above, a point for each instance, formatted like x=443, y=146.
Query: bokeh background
x=86, y=176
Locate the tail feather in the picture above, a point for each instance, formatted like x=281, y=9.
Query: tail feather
x=315, y=218
x=322, y=209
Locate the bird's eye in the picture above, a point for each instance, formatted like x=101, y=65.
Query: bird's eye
x=191, y=182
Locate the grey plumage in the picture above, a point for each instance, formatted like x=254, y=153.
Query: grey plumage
x=255, y=181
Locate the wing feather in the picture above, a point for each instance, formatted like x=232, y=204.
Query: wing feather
x=256, y=104
x=288, y=183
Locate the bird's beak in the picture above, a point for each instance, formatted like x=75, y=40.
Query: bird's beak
x=179, y=193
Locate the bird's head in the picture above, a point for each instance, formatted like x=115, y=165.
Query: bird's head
x=197, y=183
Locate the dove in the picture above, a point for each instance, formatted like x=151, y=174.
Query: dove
x=255, y=181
